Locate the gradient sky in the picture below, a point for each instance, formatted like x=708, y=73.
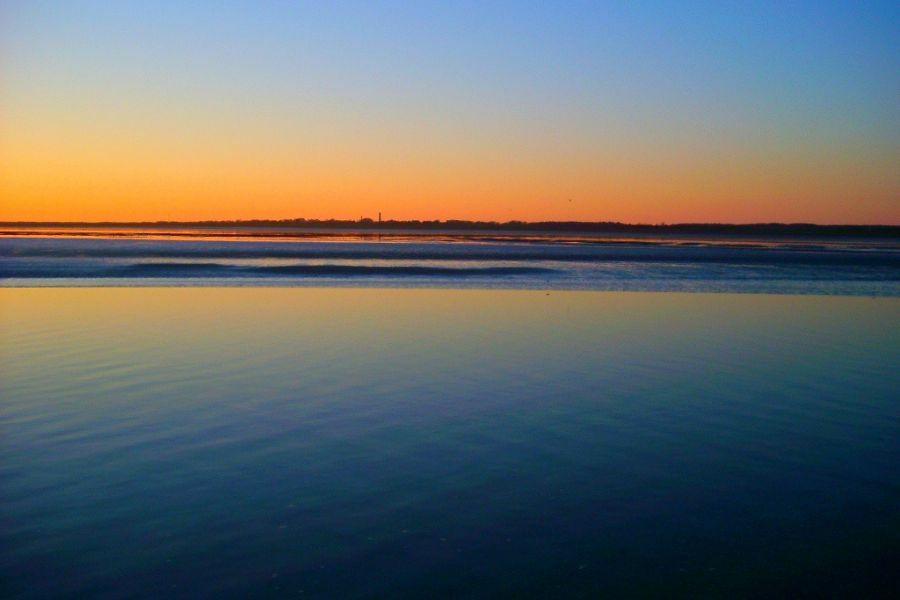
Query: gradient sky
x=632, y=111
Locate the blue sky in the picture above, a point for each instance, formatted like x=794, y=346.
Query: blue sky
x=652, y=78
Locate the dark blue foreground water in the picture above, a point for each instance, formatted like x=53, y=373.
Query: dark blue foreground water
x=417, y=443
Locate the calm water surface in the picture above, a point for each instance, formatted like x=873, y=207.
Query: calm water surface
x=386, y=443
x=857, y=267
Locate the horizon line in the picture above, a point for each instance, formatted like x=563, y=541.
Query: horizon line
x=512, y=223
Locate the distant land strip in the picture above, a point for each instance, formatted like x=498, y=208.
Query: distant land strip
x=802, y=229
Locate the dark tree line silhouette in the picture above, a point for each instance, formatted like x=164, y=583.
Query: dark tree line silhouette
x=366, y=224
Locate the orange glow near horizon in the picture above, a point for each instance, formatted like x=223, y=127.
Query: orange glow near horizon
x=90, y=168
x=121, y=178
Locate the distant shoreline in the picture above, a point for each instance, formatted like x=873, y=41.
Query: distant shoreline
x=771, y=229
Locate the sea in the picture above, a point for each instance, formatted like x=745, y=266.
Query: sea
x=447, y=415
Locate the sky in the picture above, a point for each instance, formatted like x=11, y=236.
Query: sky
x=643, y=112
